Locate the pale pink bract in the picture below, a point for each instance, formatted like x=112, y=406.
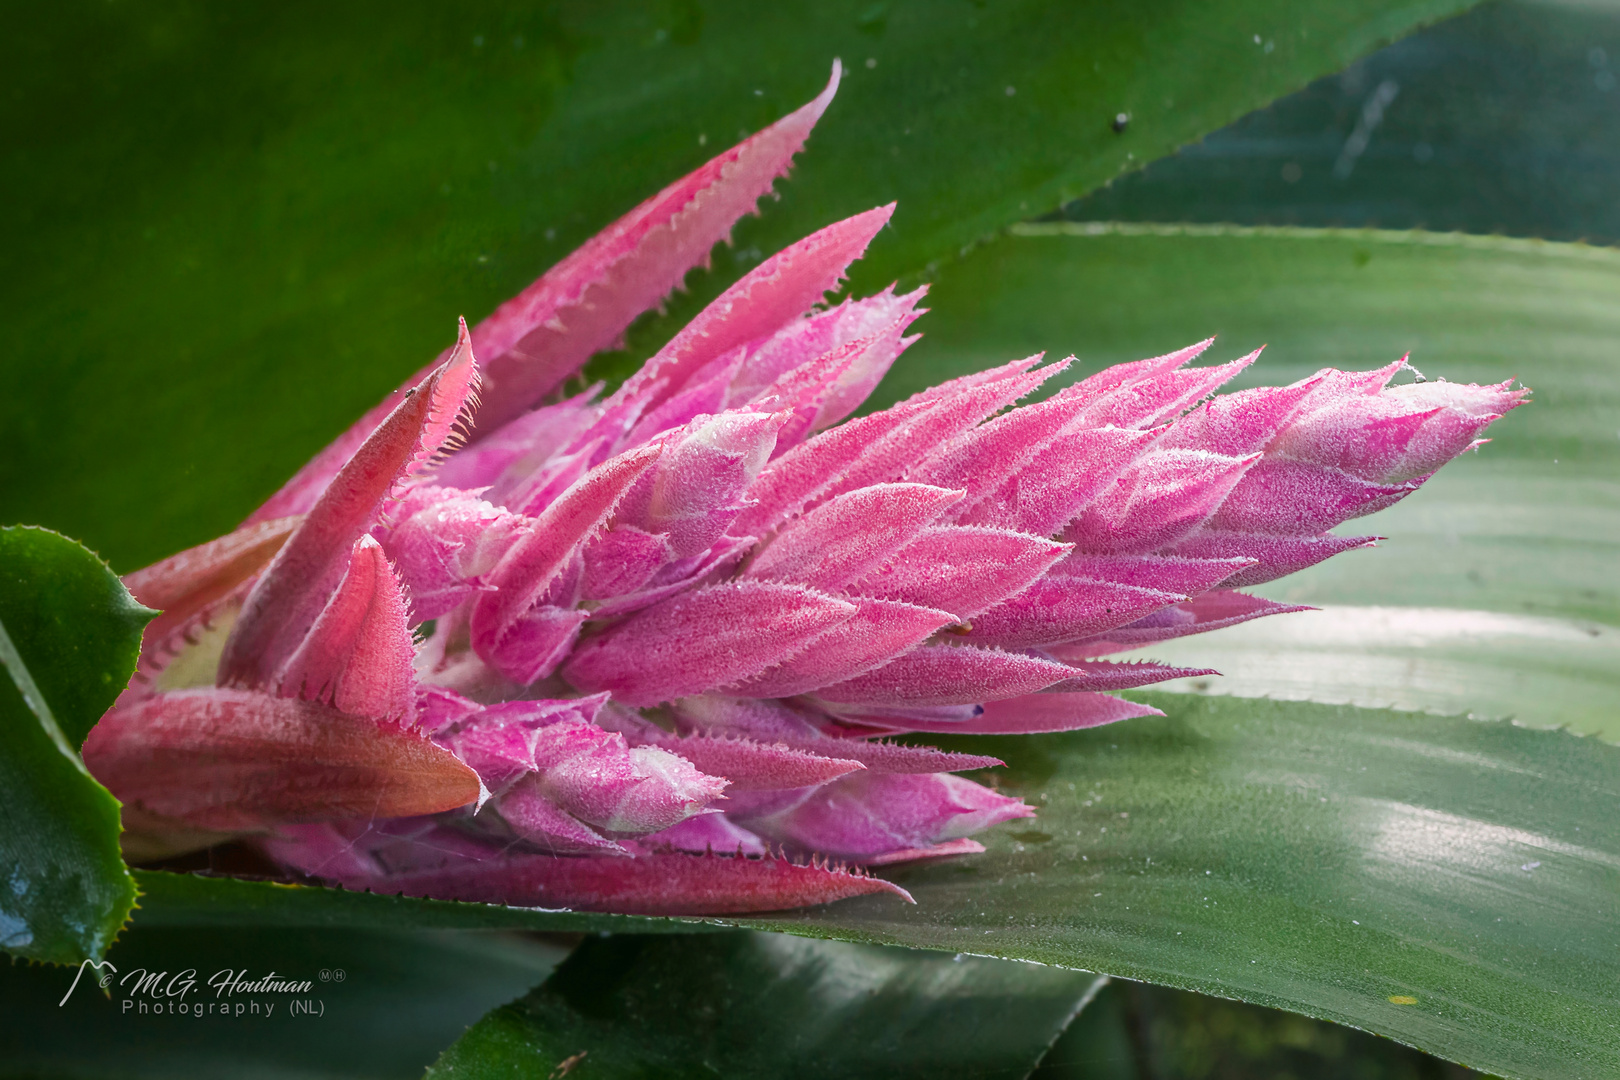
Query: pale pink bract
x=641, y=653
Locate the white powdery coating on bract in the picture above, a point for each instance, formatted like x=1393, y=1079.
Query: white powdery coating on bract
x=661, y=637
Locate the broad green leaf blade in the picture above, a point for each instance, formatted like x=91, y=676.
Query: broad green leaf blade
x=67, y=891
x=1503, y=121
x=252, y=221
x=765, y=1005
x=1542, y=672
x=69, y=635
x=1313, y=858
x=1449, y=883
x=173, y=900
x=388, y=1004
x=1508, y=560
x=1130, y=1030
x=75, y=629
x=1393, y=886
x=1099, y=1044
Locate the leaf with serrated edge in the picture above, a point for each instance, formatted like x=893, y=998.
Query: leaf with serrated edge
x=468, y=174
x=69, y=634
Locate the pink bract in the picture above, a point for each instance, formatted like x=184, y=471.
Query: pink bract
x=642, y=653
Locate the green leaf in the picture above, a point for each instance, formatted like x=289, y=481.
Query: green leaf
x=1503, y=123
x=1432, y=828
x=69, y=635
x=176, y=900
x=388, y=1004
x=73, y=628
x=1496, y=592
x=238, y=226
x=764, y=1005
x=1314, y=858
x=1328, y=860
x=1130, y=1030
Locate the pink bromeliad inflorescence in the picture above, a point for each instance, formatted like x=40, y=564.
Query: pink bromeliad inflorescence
x=641, y=653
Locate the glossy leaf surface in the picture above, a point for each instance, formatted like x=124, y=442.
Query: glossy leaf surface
x=1497, y=592
x=1131, y=1029
x=69, y=634
x=1503, y=121
x=1432, y=828
x=237, y=227
x=178, y=899
x=766, y=1005
x=1451, y=826
x=1316, y=858
x=382, y=1005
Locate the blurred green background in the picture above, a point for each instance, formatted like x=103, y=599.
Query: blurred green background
x=1503, y=120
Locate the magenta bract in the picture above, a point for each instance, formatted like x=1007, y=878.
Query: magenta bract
x=641, y=653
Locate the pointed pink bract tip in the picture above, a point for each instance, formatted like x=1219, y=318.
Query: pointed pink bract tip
x=715, y=541
x=302, y=577
x=819, y=103
x=357, y=657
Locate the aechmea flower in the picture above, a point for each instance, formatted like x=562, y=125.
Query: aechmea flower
x=642, y=652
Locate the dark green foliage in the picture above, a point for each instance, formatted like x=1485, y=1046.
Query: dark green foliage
x=387, y=1005
x=232, y=228
x=1503, y=120
x=1134, y=1031
x=69, y=633
x=767, y=1006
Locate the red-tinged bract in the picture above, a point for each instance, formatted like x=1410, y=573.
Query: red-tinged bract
x=644, y=652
